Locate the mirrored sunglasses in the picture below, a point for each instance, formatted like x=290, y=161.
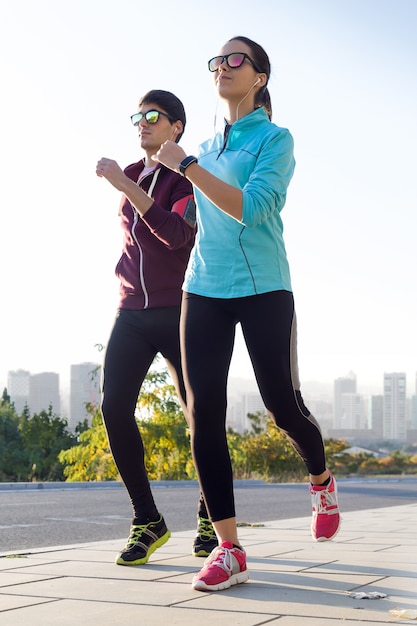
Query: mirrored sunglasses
x=150, y=116
x=233, y=60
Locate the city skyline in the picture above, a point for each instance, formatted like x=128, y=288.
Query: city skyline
x=241, y=368
x=343, y=83
x=42, y=391
x=237, y=382
x=344, y=413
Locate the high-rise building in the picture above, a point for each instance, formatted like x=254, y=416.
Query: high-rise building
x=394, y=424
x=44, y=392
x=342, y=386
x=413, y=408
x=413, y=412
x=322, y=409
x=353, y=411
x=18, y=388
x=84, y=389
x=376, y=415
x=240, y=406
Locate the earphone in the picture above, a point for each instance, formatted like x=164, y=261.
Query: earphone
x=176, y=131
x=258, y=80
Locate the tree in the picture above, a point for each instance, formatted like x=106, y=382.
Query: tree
x=42, y=437
x=5, y=399
x=266, y=453
x=396, y=463
x=12, y=456
x=163, y=429
x=91, y=458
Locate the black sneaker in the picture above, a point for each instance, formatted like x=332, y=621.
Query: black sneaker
x=206, y=539
x=143, y=540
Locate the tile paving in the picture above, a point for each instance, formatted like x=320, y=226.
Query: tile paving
x=293, y=580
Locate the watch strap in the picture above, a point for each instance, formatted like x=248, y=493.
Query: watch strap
x=185, y=163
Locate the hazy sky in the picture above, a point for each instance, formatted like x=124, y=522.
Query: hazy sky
x=344, y=83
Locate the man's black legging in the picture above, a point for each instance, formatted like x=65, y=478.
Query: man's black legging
x=136, y=338
x=207, y=338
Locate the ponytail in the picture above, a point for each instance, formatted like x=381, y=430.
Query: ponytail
x=263, y=99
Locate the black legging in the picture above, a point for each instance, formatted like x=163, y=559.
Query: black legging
x=136, y=338
x=207, y=338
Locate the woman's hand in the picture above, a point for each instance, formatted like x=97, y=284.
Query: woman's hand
x=170, y=154
x=227, y=198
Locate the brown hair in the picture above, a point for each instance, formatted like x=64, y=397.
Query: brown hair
x=261, y=60
x=170, y=103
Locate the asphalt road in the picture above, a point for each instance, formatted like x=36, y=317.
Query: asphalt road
x=62, y=515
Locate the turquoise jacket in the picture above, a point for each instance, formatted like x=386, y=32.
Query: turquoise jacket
x=231, y=258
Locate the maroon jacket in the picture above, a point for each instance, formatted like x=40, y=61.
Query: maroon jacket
x=156, y=247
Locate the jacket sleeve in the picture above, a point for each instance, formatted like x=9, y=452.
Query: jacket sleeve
x=266, y=189
x=175, y=226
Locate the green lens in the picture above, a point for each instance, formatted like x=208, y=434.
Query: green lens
x=136, y=117
x=152, y=117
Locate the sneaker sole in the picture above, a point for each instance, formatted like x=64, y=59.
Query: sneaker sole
x=154, y=546
x=204, y=551
x=201, y=553
x=236, y=579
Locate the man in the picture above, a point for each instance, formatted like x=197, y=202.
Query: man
x=158, y=220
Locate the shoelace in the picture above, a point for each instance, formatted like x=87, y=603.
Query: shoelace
x=322, y=500
x=136, y=533
x=205, y=528
x=222, y=558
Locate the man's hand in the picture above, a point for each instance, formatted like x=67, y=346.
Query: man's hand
x=110, y=170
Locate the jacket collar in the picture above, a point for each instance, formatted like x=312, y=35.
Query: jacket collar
x=249, y=120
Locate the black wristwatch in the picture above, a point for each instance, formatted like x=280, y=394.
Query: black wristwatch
x=186, y=162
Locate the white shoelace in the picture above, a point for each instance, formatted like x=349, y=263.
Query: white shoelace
x=323, y=500
x=221, y=558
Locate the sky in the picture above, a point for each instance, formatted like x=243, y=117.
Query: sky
x=343, y=81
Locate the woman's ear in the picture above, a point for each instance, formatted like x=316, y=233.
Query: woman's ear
x=261, y=80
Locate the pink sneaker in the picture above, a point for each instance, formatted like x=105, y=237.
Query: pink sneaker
x=226, y=566
x=326, y=518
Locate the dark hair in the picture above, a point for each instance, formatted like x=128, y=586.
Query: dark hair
x=261, y=60
x=172, y=105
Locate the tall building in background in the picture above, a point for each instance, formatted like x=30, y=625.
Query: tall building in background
x=395, y=406
x=343, y=386
x=413, y=412
x=353, y=411
x=238, y=408
x=44, y=392
x=18, y=388
x=376, y=415
x=84, y=388
x=413, y=408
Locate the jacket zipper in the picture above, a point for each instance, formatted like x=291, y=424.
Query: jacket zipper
x=135, y=221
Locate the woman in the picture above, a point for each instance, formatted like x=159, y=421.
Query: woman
x=238, y=273
x=157, y=215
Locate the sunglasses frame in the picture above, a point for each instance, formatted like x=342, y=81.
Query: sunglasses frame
x=144, y=115
x=225, y=57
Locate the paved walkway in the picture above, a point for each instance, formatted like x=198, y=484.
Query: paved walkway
x=293, y=580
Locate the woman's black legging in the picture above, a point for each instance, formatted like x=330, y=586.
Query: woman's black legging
x=207, y=337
